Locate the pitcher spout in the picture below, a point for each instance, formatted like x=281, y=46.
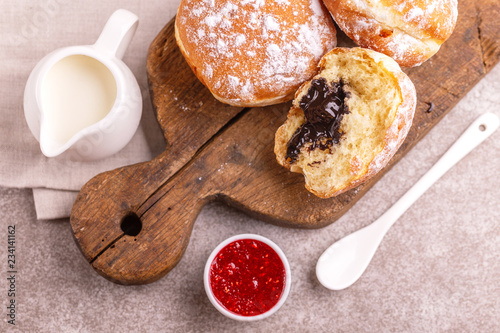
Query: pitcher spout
x=51, y=146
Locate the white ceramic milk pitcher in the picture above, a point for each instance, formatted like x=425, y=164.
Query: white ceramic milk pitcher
x=83, y=102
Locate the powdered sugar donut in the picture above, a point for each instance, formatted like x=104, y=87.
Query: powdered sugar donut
x=253, y=52
x=409, y=31
x=347, y=122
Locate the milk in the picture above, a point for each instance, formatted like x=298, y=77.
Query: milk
x=77, y=92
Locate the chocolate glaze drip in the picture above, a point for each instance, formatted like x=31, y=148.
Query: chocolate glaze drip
x=431, y=107
x=323, y=107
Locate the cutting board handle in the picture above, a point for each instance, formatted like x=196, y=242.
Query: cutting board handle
x=132, y=225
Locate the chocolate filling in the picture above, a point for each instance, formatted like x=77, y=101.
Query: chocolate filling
x=323, y=106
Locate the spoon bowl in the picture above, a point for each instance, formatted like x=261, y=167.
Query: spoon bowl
x=344, y=262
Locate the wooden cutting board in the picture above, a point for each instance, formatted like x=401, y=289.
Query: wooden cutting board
x=133, y=224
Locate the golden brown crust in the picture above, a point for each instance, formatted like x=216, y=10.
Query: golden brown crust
x=253, y=53
x=393, y=138
x=409, y=31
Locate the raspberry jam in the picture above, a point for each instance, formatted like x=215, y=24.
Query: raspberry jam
x=247, y=277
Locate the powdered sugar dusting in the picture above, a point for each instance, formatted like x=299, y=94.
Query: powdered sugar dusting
x=249, y=48
x=414, y=29
x=430, y=16
x=316, y=7
x=271, y=23
x=240, y=39
x=413, y=14
x=400, y=45
x=438, y=16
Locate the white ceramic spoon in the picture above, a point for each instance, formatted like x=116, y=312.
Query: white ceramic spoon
x=345, y=261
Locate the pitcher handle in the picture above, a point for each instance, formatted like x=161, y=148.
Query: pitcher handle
x=117, y=33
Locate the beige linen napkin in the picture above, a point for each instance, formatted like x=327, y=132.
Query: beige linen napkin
x=28, y=31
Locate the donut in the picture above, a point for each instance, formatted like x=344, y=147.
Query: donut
x=347, y=122
x=253, y=52
x=409, y=31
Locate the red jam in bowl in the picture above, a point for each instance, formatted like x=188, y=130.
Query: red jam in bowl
x=247, y=277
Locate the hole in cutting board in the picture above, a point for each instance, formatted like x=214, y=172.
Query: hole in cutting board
x=131, y=225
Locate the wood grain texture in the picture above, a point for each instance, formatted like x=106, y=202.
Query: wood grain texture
x=215, y=151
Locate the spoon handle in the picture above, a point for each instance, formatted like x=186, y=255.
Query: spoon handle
x=344, y=262
x=476, y=133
